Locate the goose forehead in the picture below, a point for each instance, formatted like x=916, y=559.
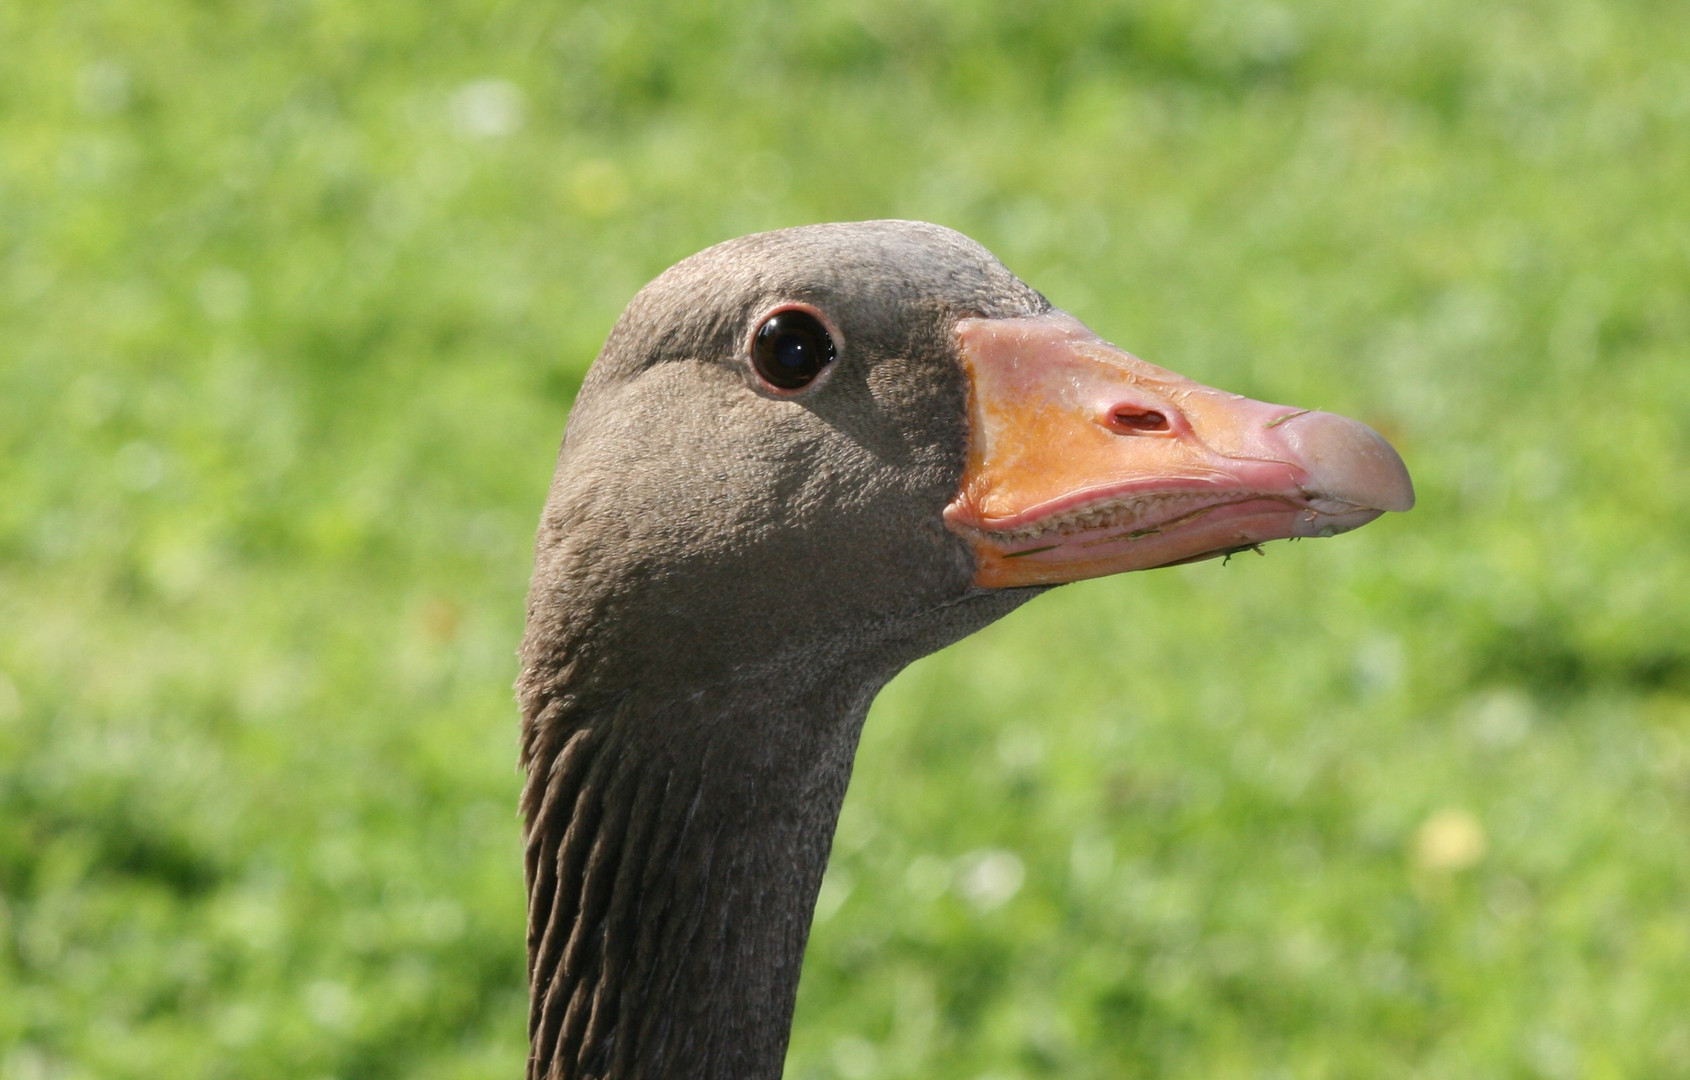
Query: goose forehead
x=867, y=267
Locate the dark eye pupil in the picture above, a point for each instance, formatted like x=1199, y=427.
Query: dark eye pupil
x=791, y=349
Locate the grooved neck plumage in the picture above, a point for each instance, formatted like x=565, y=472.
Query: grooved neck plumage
x=675, y=844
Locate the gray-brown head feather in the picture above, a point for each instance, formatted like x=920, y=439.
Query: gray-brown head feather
x=724, y=577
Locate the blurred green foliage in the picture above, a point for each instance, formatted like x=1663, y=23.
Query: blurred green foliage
x=293, y=298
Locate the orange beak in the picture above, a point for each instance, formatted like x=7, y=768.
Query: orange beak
x=1084, y=460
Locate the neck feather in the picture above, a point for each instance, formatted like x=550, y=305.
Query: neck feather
x=674, y=850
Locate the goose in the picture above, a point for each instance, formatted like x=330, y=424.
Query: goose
x=802, y=460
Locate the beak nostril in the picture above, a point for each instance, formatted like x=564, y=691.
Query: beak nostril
x=1131, y=418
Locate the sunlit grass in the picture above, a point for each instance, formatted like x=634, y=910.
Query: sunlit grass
x=294, y=297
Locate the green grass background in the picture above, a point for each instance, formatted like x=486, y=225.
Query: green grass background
x=294, y=295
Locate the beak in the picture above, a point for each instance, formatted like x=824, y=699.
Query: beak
x=1084, y=460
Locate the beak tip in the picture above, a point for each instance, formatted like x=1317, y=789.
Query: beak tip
x=1348, y=461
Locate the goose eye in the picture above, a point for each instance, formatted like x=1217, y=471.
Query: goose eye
x=791, y=349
